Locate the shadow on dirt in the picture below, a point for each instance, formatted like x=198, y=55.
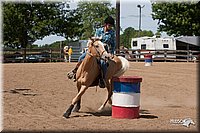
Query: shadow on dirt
x=87, y=114
x=102, y=113
x=108, y=112
x=145, y=114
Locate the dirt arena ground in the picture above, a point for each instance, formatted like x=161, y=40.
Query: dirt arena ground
x=35, y=96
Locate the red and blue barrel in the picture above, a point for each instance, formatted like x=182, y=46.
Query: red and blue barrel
x=148, y=59
x=126, y=97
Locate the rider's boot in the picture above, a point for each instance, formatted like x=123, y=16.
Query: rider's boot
x=101, y=82
x=72, y=74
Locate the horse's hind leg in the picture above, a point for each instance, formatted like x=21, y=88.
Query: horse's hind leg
x=78, y=104
x=109, y=88
x=110, y=101
x=74, y=101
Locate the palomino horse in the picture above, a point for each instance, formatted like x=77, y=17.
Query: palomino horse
x=89, y=71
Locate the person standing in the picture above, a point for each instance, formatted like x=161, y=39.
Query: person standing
x=65, y=50
x=70, y=53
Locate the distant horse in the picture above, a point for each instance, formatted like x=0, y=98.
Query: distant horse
x=89, y=70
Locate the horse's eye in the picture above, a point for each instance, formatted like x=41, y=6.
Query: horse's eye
x=97, y=46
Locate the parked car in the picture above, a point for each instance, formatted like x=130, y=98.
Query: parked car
x=19, y=59
x=44, y=57
x=13, y=58
x=32, y=58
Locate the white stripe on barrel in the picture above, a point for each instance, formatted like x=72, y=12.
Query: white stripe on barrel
x=126, y=99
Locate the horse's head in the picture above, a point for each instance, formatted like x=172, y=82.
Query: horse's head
x=96, y=48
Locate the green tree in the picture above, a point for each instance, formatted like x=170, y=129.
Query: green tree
x=24, y=23
x=177, y=18
x=93, y=15
x=146, y=33
x=158, y=34
x=69, y=25
x=125, y=38
x=129, y=33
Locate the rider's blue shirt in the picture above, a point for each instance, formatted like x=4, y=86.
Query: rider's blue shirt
x=107, y=37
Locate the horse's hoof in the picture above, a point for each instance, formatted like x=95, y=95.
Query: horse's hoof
x=66, y=115
x=68, y=112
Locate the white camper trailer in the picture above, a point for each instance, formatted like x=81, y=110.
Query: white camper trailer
x=153, y=43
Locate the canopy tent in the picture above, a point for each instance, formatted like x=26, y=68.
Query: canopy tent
x=194, y=40
x=188, y=43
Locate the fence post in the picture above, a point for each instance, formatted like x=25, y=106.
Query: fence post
x=188, y=55
x=165, y=55
x=175, y=55
x=61, y=50
x=24, y=55
x=50, y=55
x=139, y=54
x=136, y=55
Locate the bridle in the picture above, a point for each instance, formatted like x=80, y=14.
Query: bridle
x=99, y=54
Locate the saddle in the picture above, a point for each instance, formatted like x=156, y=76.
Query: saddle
x=99, y=80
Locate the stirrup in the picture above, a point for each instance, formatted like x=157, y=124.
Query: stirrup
x=101, y=83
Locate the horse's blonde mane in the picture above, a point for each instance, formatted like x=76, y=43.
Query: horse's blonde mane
x=125, y=66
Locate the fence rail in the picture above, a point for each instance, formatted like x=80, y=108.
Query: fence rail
x=56, y=55
x=161, y=55
x=22, y=55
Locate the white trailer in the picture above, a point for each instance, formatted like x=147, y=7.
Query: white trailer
x=153, y=43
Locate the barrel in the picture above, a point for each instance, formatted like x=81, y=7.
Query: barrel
x=126, y=97
x=148, y=59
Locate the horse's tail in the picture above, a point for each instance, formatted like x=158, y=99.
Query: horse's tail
x=125, y=66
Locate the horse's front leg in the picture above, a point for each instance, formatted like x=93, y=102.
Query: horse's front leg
x=109, y=89
x=74, y=101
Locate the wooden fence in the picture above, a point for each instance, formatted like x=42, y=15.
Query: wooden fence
x=162, y=55
x=56, y=55
x=24, y=55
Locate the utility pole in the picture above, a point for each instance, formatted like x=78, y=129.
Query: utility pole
x=140, y=12
x=117, y=25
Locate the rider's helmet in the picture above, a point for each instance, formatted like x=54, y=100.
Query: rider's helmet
x=109, y=20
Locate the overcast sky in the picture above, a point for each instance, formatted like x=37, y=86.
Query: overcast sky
x=129, y=17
